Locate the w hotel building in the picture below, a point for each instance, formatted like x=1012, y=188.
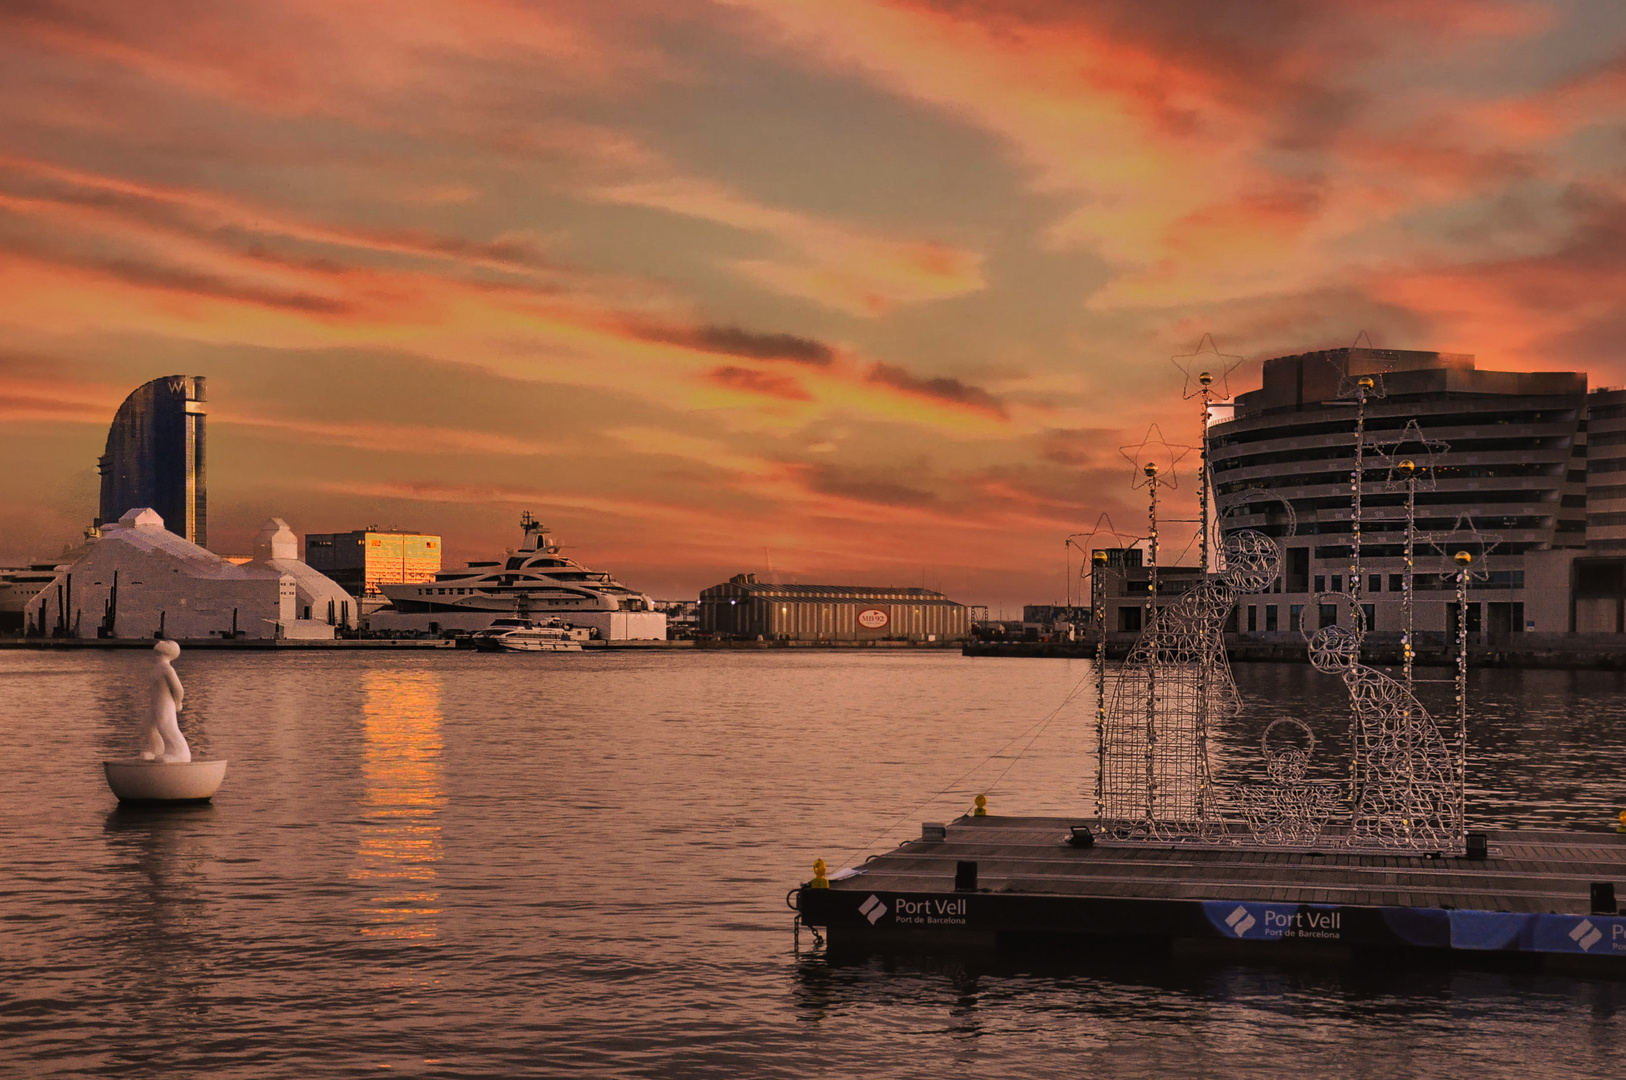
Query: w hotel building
x=1531, y=462
x=155, y=457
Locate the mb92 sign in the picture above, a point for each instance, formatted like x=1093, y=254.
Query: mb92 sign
x=873, y=618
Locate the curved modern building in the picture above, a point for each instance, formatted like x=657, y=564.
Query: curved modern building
x=1512, y=467
x=154, y=457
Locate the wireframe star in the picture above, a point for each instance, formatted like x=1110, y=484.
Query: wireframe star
x=1413, y=446
x=1464, y=535
x=1103, y=527
x=1206, y=360
x=1349, y=383
x=1158, y=453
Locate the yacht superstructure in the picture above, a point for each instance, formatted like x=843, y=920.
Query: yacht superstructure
x=535, y=580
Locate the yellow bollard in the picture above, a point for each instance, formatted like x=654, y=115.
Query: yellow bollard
x=819, y=880
x=1622, y=826
x=982, y=807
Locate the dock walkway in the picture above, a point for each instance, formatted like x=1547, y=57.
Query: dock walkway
x=1534, y=891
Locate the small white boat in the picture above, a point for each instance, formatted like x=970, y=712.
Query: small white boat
x=521, y=635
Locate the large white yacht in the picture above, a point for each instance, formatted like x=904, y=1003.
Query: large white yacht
x=534, y=581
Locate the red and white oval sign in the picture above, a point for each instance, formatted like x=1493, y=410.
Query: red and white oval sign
x=873, y=618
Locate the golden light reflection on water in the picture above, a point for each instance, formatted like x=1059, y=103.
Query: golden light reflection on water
x=401, y=803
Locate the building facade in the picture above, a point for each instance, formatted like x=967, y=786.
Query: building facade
x=1505, y=475
x=364, y=559
x=743, y=608
x=139, y=580
x=154, y=457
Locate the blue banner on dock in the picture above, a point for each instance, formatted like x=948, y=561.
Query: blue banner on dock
x=1478, y=931
x=1502, y=931
x=1275, y=922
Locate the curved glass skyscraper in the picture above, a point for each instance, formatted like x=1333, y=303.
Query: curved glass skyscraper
x=154, y=457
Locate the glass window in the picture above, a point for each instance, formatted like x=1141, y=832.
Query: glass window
x=1129, y=618
x=1329, y=614
x=1396, y=582
x=1321, y=583
x=1369, y=614
x=1270, y=618
x=1253, y=618
x=1338, y=583
x=1374, y=583
x=1295, y=617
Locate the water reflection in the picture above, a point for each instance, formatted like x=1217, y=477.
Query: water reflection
x=401, y=804
x=158, y=919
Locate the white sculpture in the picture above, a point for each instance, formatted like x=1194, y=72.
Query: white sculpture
x=165, y=771
x=163, y=738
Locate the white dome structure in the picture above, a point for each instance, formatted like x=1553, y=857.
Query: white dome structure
x=140, y=580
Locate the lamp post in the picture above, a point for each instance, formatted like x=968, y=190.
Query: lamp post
x=1463, y=559
x=1150, y=628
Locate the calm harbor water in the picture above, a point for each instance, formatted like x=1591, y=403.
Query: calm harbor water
x=468, y=865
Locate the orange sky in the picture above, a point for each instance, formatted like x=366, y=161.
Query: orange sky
x=831, y=291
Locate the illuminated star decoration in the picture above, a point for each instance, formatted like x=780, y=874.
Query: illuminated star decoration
x=1103, y=524
x=1415, y=447
x=1103, y=527
x=1348, y=383
x=1154, y=449
x=1207, y=359
x=1464, y=535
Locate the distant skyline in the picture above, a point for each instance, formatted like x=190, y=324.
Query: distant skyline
x=842, y=291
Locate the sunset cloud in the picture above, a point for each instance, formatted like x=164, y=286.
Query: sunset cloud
x=866, y=283
x=858, y=271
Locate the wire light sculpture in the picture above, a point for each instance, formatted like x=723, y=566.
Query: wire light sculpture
x=1207, y=374
x=1100, y=568
x=1288, y=809
x=1154, y=777
x=1406, y=792
x=1466, y=544
x=1412, y=465
x=1174, y=688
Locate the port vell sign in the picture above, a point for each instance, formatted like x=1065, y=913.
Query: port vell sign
x=873, y=618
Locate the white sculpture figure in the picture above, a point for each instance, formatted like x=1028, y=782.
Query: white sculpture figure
x=165, y=771
x=164, y=741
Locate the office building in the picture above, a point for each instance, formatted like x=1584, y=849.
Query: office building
x=1506, y=473
x=155, y=457
x=364, y=559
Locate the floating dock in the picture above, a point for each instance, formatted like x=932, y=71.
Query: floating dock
x=1544, y=899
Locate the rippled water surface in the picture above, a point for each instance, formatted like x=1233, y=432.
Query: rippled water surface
x=469, y=865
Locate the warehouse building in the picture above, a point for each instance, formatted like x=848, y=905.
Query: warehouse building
x=743, y=608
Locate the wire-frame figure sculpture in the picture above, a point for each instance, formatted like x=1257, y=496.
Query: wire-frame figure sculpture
x=1101, y=567
x=1407, y=792
x=1174, y=688
x=1288, y=809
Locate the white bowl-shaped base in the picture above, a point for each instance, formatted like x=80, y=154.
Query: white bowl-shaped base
x=137, y=780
